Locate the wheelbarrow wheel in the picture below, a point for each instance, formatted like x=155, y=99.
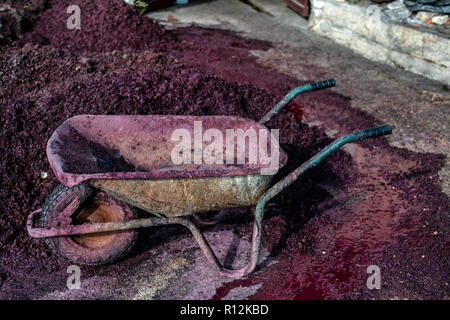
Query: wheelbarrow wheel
x=92, y=249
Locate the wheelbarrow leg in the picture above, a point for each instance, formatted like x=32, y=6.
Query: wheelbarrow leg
x=217, y=218
x=272, y=192
x=212, y=258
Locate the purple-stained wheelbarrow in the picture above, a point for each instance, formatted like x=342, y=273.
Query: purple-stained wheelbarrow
x=110, y=165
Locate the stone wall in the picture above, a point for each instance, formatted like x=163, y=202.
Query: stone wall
x=368, y=32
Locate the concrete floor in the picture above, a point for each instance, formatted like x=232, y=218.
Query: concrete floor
x=416, y=107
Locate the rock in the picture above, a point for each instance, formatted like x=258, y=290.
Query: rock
x=440, y=19
x=395, y=5
x=425, y=16
x=397, y=10
x=373, y=9
x=318, y=4
x=325, y=26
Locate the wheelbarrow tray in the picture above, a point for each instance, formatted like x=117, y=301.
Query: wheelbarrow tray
x=130, y=158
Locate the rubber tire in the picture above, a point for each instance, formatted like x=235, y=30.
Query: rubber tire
x=69, y=249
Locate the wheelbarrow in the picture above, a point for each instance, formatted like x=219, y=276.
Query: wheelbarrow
x=111, y=165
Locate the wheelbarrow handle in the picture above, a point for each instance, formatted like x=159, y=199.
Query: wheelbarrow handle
x=316, y=159
x=285, y=182
x=373, y=132
x=291, y=95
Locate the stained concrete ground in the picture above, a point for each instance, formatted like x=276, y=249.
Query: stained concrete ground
x=417, y=108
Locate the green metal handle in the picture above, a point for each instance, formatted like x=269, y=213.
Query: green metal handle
x=294, y=175
x=323, y=84
x=315, y=160
x=372, y=132
x=291, y=95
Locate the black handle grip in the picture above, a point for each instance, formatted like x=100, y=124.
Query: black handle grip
x=373, y=132
x=323, y=84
